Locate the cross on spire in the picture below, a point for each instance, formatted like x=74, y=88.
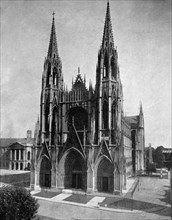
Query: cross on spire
x=53, y=14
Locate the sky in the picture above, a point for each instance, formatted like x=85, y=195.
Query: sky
x=142, y=34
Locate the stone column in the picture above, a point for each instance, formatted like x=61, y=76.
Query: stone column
x=10, y=154
x=53, y=169
x=90, y=180
x=10, y=165
x=117, y=182
x=15, y=154
x=21, y=154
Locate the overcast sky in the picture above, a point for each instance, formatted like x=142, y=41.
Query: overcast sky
x=142, y=34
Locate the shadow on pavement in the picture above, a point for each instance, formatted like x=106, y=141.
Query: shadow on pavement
x=132, y=204
x=166, y=197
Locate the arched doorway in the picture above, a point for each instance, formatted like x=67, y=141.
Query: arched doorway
x=75, y=171
x=77, y=175
x=45, y=173
x=105, y=177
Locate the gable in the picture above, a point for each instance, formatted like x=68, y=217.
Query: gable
x=16, y=146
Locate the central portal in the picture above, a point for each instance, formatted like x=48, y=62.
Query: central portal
x=77, y=175
x=105, y=184
x=77, y=180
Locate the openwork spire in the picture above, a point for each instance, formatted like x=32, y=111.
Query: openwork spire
x=53, y=50
x=107, y=34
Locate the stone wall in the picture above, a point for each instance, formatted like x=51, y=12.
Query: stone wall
x=21, y=179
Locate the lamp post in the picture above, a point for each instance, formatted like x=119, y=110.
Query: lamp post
x=171, y=190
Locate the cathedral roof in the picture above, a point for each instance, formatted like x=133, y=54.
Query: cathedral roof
x=133, y=121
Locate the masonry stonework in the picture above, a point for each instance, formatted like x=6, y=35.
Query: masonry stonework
x=82, y=139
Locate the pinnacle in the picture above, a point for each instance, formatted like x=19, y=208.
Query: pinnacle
x=141, y=109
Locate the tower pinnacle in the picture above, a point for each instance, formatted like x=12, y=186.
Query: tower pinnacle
x=141, y=109
x=52, y=49
x=107, y=34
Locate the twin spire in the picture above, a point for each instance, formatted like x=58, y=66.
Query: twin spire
x=53, y=50
x=107, y=34
x=106, y=41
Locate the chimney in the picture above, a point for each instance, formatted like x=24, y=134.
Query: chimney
x=29, y=135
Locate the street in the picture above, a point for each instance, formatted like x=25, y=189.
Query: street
x=151, y=200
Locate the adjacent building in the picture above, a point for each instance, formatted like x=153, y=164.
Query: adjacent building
x=15, y=153
x=82, y=139
x=167, y=152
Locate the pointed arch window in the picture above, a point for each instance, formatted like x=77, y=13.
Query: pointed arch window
x=113, y=67
x=47, y=118
x=28, y=155
x=105, y=113
x=105, y=68
x=113, y=112
x=48, y=75
x=55, y=80
x=55, y=126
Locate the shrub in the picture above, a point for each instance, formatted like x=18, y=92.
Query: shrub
x=16, y=203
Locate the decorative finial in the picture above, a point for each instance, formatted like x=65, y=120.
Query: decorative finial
x=78, y=70
x=53, y=14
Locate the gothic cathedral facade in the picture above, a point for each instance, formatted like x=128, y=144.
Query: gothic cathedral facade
x=82, y=139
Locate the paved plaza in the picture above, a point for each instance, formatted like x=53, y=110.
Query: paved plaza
x=151, y=200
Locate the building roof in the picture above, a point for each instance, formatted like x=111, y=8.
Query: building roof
x=6, y=142
x=133, y=121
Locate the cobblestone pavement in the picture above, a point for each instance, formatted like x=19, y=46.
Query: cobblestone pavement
x=151, y=200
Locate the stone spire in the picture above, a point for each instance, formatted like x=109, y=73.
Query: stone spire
x=107, y=34
x=53, y=50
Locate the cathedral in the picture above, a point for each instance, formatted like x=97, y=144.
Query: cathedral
x=83, y=141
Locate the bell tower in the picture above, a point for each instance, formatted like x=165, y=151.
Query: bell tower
x=52, y=86
x=108, y=87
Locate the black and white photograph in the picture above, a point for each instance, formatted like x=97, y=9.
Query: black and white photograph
x=85, y=110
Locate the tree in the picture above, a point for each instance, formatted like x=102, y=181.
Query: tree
x=16, y=203
x=158, y=156
x=151, y=168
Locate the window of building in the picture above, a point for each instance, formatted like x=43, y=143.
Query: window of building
x=113, y=111
x=21, y=166
x=48, y=74
x=12, y=154
x=55, y=81
x=17, y=166
x=17, y=154
x=21, y=154
x=105, y=115
x=28, y=155
x=28, y=165
x=105, y=69
x=113, y=68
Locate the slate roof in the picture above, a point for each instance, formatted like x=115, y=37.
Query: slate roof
x=6, y=142
x=133, y=121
